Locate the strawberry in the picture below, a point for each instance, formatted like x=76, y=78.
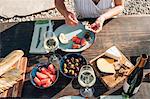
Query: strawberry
x=47, y=84
x=52, y=68
x=53, y=77
x=41, y=75
x=83, y=42
x=46, y=71
x=44, y=81
x=76, y=46
x=37, y=81
x=74, y=38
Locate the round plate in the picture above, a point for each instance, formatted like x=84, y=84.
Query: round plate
x=67, y=29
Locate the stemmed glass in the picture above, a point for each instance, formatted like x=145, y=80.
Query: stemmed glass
x=51, y=44
x=86, y=79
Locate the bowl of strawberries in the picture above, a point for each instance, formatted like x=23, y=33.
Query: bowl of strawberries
x=44, y=75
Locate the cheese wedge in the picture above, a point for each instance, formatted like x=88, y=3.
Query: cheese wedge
x=113, y=52
x=105, y=65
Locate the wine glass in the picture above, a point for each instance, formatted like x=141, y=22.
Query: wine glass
x=51, y=44
x=86, y=79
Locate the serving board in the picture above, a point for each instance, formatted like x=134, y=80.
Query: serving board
x=109, y=80
x=16, y=90
x=40, y=33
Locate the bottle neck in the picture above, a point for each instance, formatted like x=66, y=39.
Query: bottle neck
x=142, y=61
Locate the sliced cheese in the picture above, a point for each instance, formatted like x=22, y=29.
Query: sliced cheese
x=105, y=65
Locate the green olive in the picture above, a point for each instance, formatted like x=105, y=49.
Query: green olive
x=72, y=66
x=72, y=72
x=65, y=71
x=65, y=65
x=76, y=64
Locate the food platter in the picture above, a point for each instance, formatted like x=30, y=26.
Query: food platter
x=72, y=32
x=112, y=66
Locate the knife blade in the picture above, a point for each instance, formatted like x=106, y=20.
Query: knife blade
x=38, y=42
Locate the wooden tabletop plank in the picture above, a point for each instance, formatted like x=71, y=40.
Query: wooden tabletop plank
x=130, y=34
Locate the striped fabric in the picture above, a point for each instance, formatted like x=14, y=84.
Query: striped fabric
x=88, y=9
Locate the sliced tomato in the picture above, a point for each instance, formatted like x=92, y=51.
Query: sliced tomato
x=41, y=75
x=53, y=77
x=52, y=68
x=83, y=42
x=37, y=81
x=47, y=84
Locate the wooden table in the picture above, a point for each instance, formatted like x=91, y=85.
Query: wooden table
x=131, y=34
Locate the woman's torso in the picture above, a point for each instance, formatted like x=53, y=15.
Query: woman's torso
x=88, y=9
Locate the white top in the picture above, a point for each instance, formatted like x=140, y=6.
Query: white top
x=88, y=9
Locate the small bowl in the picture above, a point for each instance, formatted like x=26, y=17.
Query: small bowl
x=69, y=56
x=36, y=69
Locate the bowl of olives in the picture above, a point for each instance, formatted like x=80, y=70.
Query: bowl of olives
x=70, y=65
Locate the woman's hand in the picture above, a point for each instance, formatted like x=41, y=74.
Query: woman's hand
x=70, y=19
x=97, y=25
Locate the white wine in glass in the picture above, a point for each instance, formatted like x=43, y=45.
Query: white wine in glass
x=86, y=79
x=51, y=44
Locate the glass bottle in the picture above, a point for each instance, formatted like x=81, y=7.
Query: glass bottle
x=134, y=80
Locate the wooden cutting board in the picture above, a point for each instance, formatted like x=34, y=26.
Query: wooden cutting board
x=109, y=80
x=16, y=90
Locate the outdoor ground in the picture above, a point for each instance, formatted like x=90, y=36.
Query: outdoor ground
x=132, y=7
